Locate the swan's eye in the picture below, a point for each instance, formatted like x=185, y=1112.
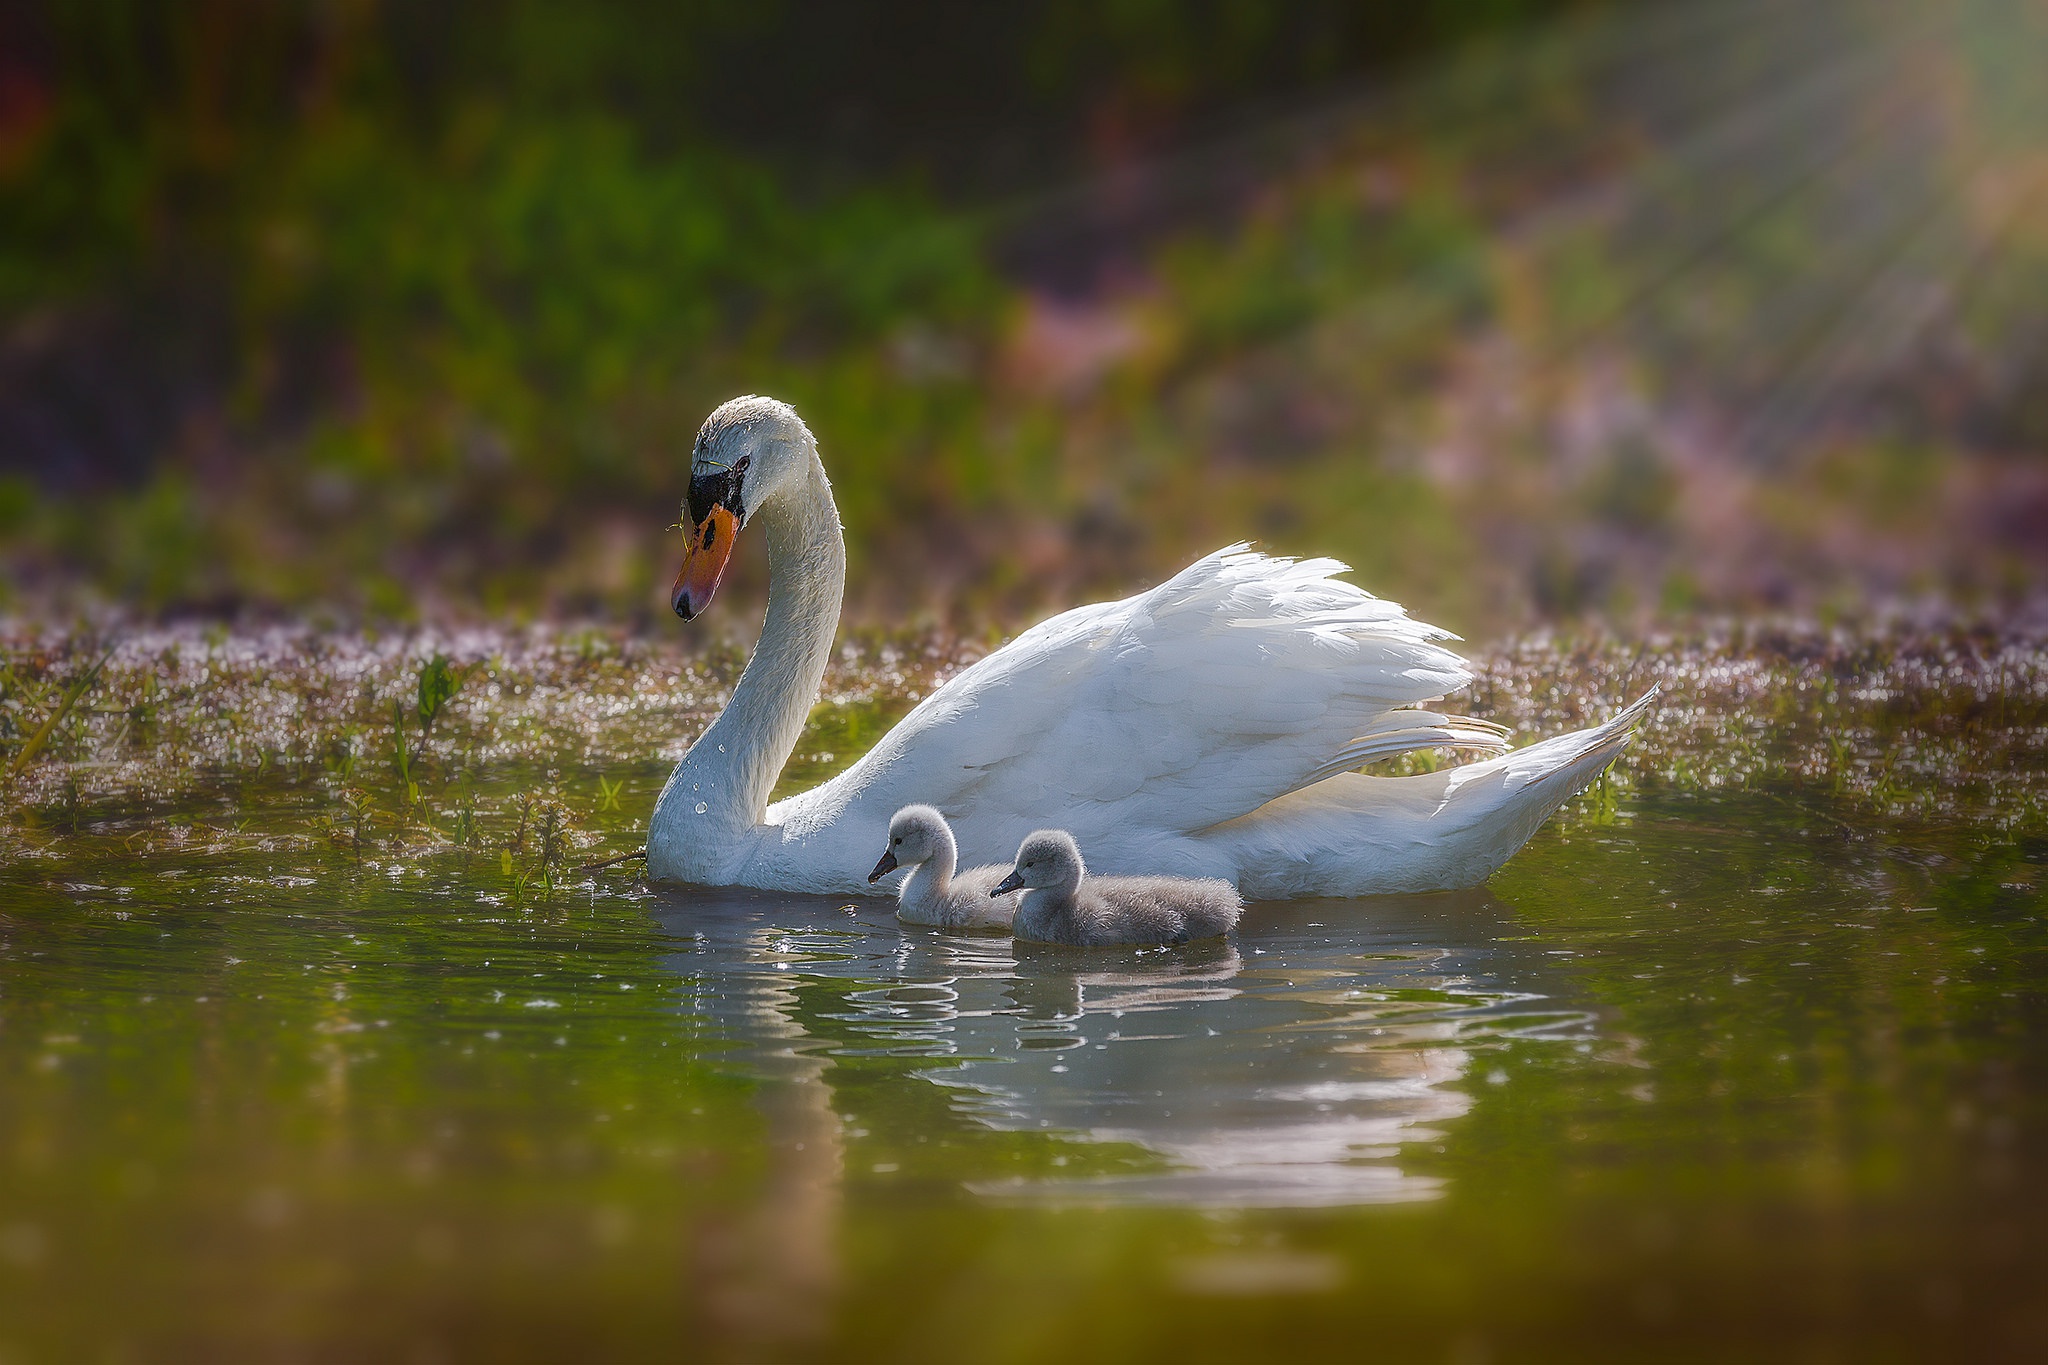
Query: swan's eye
x=895, y=843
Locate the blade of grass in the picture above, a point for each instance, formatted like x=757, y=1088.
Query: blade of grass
x=35, y=742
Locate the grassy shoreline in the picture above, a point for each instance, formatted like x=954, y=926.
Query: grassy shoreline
x=555, y=740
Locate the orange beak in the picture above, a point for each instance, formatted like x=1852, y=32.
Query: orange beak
x=704, y=562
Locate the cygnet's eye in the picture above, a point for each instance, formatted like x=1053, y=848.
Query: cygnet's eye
x=897, y=842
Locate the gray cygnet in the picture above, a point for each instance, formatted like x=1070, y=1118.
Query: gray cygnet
x=920, y=840
x=1062, y=904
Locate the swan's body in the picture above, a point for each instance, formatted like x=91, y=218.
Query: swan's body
x=1204, y=728
x=1062, y=904
x=920, y=840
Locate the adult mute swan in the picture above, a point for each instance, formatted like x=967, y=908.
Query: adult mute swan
x=1205, y=728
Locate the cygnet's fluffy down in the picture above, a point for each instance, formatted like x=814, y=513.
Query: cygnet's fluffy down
x=1062, y=904
x=920, y=840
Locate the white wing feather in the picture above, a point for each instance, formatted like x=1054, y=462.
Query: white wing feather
x=1243, y=678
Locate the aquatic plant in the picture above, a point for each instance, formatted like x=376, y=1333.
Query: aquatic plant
x=539, y=844
x=437, y=684
x=464, y=831
x=59, y=713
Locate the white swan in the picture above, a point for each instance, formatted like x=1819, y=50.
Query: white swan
x=1204, y=728
x=1063, y=904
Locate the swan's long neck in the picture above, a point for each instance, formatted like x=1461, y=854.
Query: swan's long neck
x=732, y=767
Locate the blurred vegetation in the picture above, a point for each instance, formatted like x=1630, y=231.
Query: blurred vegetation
x=361, y=306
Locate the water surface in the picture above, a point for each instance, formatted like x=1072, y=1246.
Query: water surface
x=1743, y=1058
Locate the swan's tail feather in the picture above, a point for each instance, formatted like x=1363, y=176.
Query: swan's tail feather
x=1353, y=835
x=1549, y=759
x=1404, y=731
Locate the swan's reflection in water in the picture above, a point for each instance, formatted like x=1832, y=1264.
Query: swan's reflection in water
x=1287, y=1070
x=1240, y=1076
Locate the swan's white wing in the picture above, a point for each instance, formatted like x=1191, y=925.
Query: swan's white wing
x=1241, y=679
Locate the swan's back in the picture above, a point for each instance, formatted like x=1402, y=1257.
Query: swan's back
x=1145, y=721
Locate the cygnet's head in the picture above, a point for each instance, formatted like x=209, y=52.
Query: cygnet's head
x=1048, y=858
x=747, y=452
x=916, y=834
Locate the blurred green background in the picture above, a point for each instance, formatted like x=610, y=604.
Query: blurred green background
x=1526, y=308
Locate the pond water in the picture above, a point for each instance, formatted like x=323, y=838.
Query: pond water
x=1742, y=1058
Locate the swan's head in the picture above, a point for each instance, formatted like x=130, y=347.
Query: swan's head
x=916, y=835
x=747, y=452
x=1048, y=858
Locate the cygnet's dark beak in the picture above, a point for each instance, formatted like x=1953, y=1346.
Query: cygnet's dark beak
x=882, y=868
x=1008, y=884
